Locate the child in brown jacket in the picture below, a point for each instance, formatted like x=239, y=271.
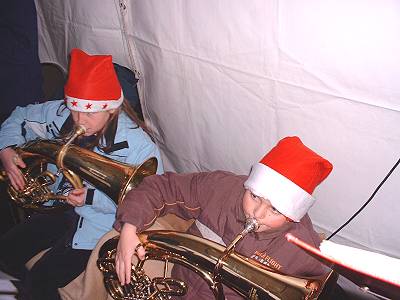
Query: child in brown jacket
x=277, y=193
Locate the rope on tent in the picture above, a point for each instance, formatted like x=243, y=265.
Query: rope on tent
x=122, y=6
x=368, y=201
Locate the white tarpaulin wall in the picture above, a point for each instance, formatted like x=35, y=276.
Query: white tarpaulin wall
x=222, y=81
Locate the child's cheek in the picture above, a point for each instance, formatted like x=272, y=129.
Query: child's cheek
x=246, y=206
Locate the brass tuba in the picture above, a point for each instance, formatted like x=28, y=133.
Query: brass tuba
x=110, y=176
x=216, y=264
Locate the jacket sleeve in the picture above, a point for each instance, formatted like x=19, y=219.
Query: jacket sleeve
x=27, y=123
x=189, y=196
x=184, y=195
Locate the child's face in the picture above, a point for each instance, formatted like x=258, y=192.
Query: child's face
x=92, y=121
x=262, y=210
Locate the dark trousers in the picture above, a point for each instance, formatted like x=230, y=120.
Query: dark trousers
x=56, y=268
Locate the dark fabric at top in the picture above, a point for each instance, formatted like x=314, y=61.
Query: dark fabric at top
x=20, y=70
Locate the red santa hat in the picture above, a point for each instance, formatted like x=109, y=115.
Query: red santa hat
x=92, y=84
x=287, y=176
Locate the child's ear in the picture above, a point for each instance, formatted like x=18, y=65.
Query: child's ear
x=113, y=112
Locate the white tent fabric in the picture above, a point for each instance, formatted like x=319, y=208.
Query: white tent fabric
x=223, y=80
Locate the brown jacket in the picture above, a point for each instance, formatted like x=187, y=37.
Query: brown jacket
x=215, y=199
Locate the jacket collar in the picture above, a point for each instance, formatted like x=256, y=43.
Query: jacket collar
x=118, y=138
x=120, y=135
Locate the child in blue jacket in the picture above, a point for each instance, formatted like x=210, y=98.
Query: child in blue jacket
x=94, y=99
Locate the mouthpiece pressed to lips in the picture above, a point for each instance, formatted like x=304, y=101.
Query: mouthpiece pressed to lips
x=80, y=129
x=250, y=225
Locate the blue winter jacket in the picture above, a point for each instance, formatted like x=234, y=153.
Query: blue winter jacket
x=131, y=145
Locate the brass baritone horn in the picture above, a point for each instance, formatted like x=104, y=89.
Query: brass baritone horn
x=110, y=176
x=213, y=262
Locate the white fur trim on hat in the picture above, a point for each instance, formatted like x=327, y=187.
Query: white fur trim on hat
x=286, y=196
x=84, y=105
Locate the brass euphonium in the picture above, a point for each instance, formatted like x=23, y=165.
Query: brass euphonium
x=110, y=176
x=216, y=264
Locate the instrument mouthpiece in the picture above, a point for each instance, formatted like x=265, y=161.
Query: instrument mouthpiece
x=250, y=225
x=80, y=129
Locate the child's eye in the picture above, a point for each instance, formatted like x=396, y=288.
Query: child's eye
x=274, y=210
x=253, y=196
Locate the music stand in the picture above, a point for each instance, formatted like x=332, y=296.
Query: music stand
x=370, y=283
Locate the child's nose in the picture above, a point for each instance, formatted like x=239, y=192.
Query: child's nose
x=80, y=118
x=260, y=210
